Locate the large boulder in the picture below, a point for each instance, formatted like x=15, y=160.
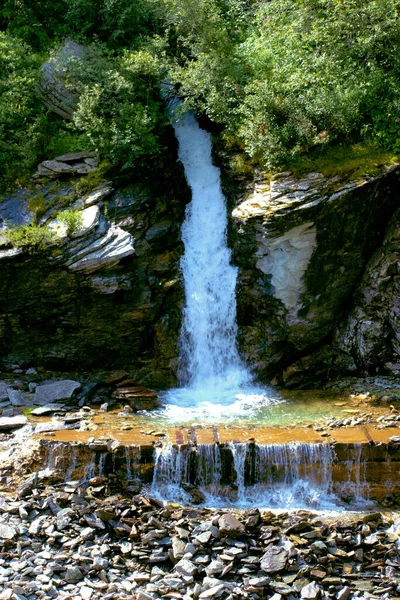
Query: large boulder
x=56, y=85
x=54, y=392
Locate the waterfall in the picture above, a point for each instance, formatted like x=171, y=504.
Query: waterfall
x=208, y=340
x=211, y=372
x=286, y=476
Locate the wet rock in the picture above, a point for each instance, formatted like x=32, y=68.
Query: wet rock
x=105, y=251
x=274, y=560
x=53, y=392
x=9, y=423
x=229, y=525
x=48, y=409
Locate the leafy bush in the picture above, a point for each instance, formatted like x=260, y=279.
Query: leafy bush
x=32, y=238
x=72, y=219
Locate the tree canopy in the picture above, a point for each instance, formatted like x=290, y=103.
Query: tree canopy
x=282, y=78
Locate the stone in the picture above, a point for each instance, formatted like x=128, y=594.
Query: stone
x=97, y=195
x=106, y=251
x=48, y=409
x=274, y=559
x=178, y=548
x=53, y=392
x=7, y=532
x=212, y=591
x=73, y=574
x=229, y=525
x=16, y=397
x=9, y=423
x=215, y=568
x=185, y=567
x=90, y=219
x=344, y=593
x=311, y=591
x=3, y=390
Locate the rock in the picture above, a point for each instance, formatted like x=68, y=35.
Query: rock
x=229, y=525
x=9, y=423
x=97, y=195
x=55, y=86
x=3, y=391
x=73, y=574
x=6, y=531
x=139, y=398
x=344, y=593
x=274, y=559
x=48, y=409
x=311, y=591
x=178, y=548
x=215, y=568
x=106, y=251
x=212, y=591
x=90, y=219
x=16, y=397
x=53, y=392
x=186, y=567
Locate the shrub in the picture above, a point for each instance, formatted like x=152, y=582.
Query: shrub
x=72, y=219
x=32, y=238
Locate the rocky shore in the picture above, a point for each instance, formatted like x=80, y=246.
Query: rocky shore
x=93, y=541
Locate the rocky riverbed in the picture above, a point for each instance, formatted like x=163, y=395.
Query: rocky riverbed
x=94, y=540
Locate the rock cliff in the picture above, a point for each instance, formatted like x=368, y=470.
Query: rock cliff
x=109, y=295
x=317, y=293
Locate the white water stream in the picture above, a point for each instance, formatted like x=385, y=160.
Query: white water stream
x=216, y=384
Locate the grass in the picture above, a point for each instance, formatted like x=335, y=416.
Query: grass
x=353, y=161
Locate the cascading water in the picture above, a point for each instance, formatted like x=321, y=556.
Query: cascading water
x=211, y=370
x=272, y=475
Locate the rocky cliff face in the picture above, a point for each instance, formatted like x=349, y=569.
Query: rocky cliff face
x=109, y=295
x=313, y=298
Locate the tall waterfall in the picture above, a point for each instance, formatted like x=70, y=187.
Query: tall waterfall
x=211, y=372
x=208, y=340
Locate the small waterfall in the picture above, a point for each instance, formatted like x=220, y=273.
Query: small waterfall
x=273, y=475
x=356, y=486
x=72, y=465
x=89, y=470
x=132, y=457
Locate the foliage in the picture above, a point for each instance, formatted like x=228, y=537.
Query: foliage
x=120, y=111
x=284, y=78
x=299, y=74
x=32, y=238
x=37, y=206
x=72, y=219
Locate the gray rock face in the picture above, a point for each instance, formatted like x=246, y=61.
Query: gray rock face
x=274, y=559
x=369, y=340
x=311, y=591
x=9, y=423
x=47, y=409
x=230, y=525
x=302, y=247
x=53, y=392
x=6, y=531
x=53, y=89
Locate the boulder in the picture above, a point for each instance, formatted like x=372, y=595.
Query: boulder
x=55, y=87
x=16, y=397
x=54, y=392
x=9, y=423
x=138, y=397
